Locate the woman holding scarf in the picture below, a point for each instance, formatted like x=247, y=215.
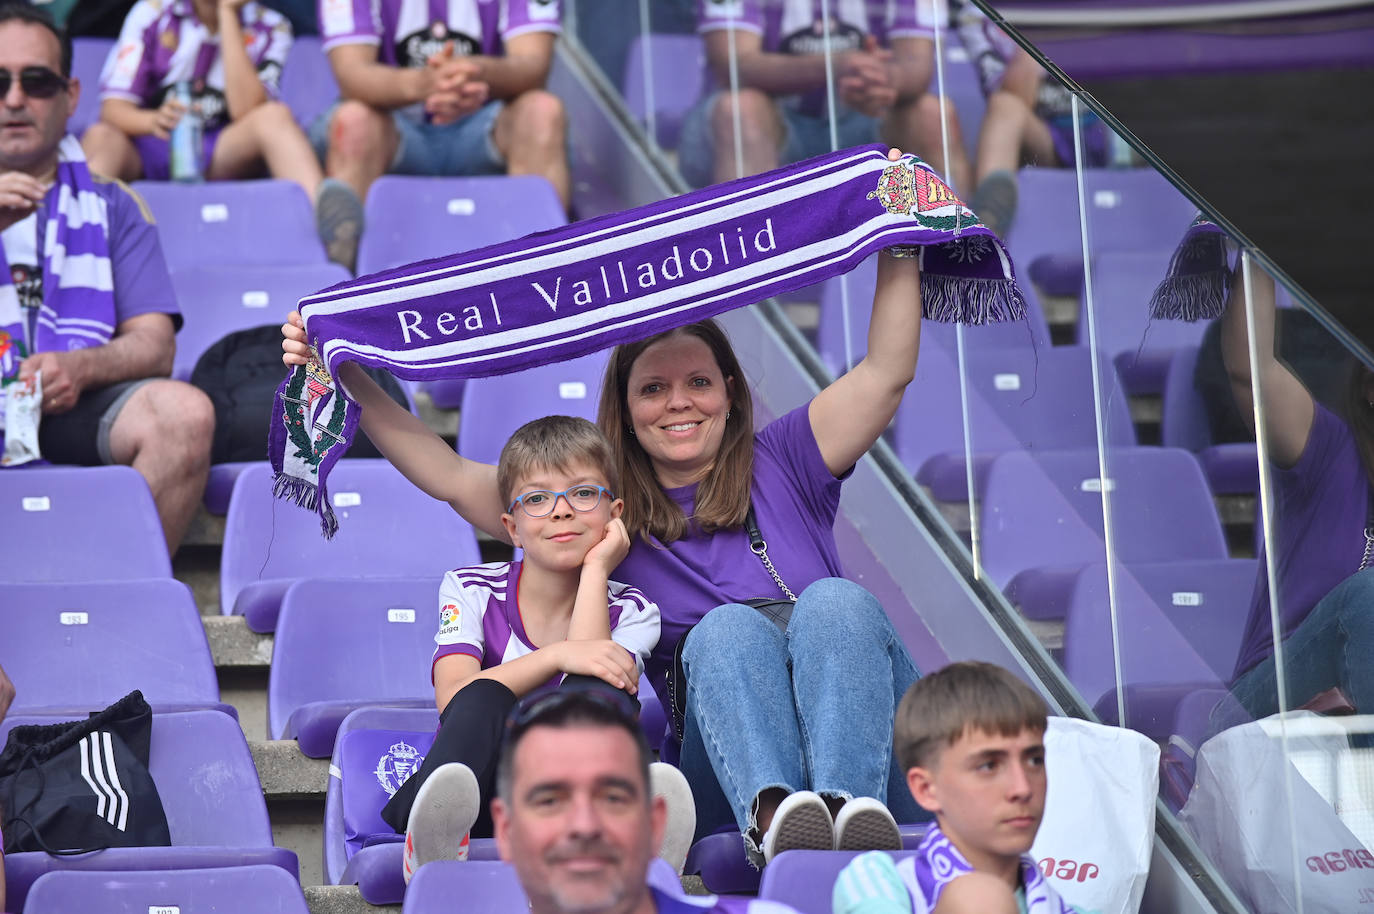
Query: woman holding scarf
x=785, y=712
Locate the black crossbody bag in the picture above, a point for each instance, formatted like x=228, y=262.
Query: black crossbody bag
x=778, y=611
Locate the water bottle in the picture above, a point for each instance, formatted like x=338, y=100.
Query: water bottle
x=185, y=143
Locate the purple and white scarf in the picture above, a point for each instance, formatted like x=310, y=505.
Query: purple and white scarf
x=78, y=308
x=559, y=294
x=938, y=862
x=1199, y=275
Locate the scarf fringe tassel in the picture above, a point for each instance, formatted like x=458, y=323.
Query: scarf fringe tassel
x=306, y=495
x=959, y=299
x=1199, y=297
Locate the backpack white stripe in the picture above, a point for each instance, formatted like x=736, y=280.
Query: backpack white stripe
x=123, y=798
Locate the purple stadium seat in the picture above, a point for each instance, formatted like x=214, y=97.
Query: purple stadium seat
x=210, y=793
x=1027, y=398
x=1046, y=224
x=231, y=223
x=410, y=219
x=1042, y=517
x=216, y=301
x=256, y=889
x=1140, y=347
x=387, y=528
x=307, y=81
x=1231, y=469
x=720, y=860
x=1208, y=601
x=495, y=407
x=491, y=887
x=1158, y=665
x=1134, y=209
x=220, y=485
x=80, y=524
x=676, y=64
x=110, y=637
x=342, y=643
x=860, y=281
x=88, y=59
x=805, y=880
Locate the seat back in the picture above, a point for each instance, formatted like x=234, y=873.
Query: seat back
x=805, y=880
x=255, y=889
x=387, y=527
x=1208, y=601
x=307, y=81
x=668, y=72
x=1160, y=500
x=369, y=791
x=495, y=407
x=216, y=301
x=410, y=219
x=486, y=887
x=1184, y=423
x=88, y=60
x=1134, y=209
x=230, y=223
x=1122, y=284
x=108, y=638
x=80, y=524
x=348, y=639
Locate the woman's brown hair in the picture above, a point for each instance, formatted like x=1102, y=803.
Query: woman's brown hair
x=723, y=496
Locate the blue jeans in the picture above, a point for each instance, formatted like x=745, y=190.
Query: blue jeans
x=464, y=147
x=1331, y=647
x=809, y=710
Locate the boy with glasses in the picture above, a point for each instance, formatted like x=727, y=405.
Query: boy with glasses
x=509, y=629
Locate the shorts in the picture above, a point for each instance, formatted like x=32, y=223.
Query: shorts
x=1096, y=140
x=81, y=435
x=465, y=147
x=804, y=136
x=157, y=157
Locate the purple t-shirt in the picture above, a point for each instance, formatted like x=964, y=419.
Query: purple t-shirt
x=162, y=44
x=479, y=615
x=138, y=270
x=1321, y=504
x=407, y=32
x=795, y=500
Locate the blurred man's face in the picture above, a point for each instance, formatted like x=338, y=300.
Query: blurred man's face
x=580, y=828
x=31, y=127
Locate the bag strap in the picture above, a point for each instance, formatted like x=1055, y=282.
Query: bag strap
x=31, y=759
x=760, y=548
x=1368, y=529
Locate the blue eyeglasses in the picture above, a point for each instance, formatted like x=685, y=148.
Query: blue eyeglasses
x=541, y=502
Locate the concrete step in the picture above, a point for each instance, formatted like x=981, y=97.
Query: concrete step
x=343, y=899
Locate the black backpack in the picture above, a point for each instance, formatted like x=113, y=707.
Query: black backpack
x=240, y=375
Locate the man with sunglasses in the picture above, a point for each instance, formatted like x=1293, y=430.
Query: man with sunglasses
x=87, y=314
x=575, y=813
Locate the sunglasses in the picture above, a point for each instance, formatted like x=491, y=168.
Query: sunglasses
x=532, y=710
x=37, y=82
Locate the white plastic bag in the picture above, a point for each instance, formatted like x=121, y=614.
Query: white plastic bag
x=1097, y=836
x=1238, y=812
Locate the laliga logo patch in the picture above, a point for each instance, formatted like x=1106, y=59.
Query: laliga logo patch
x=448, y=615
x=396, y=766
x=542, y=10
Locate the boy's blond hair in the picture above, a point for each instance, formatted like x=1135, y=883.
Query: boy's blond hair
x=964, y=696
x=556, y=443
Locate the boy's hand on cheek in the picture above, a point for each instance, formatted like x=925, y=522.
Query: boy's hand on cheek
x=611, y=551
x=605, y=660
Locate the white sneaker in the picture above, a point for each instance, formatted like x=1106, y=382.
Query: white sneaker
x=445, y=808
x=667, y=782
x=864, y=824
x=802, y=822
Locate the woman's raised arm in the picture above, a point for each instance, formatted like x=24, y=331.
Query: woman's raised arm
x=422, y=456
x=1288, y=407
x=850, y=414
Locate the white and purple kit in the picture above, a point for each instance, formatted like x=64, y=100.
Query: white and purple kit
x=163, y=43
x=479, y=615
x=408, y=32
